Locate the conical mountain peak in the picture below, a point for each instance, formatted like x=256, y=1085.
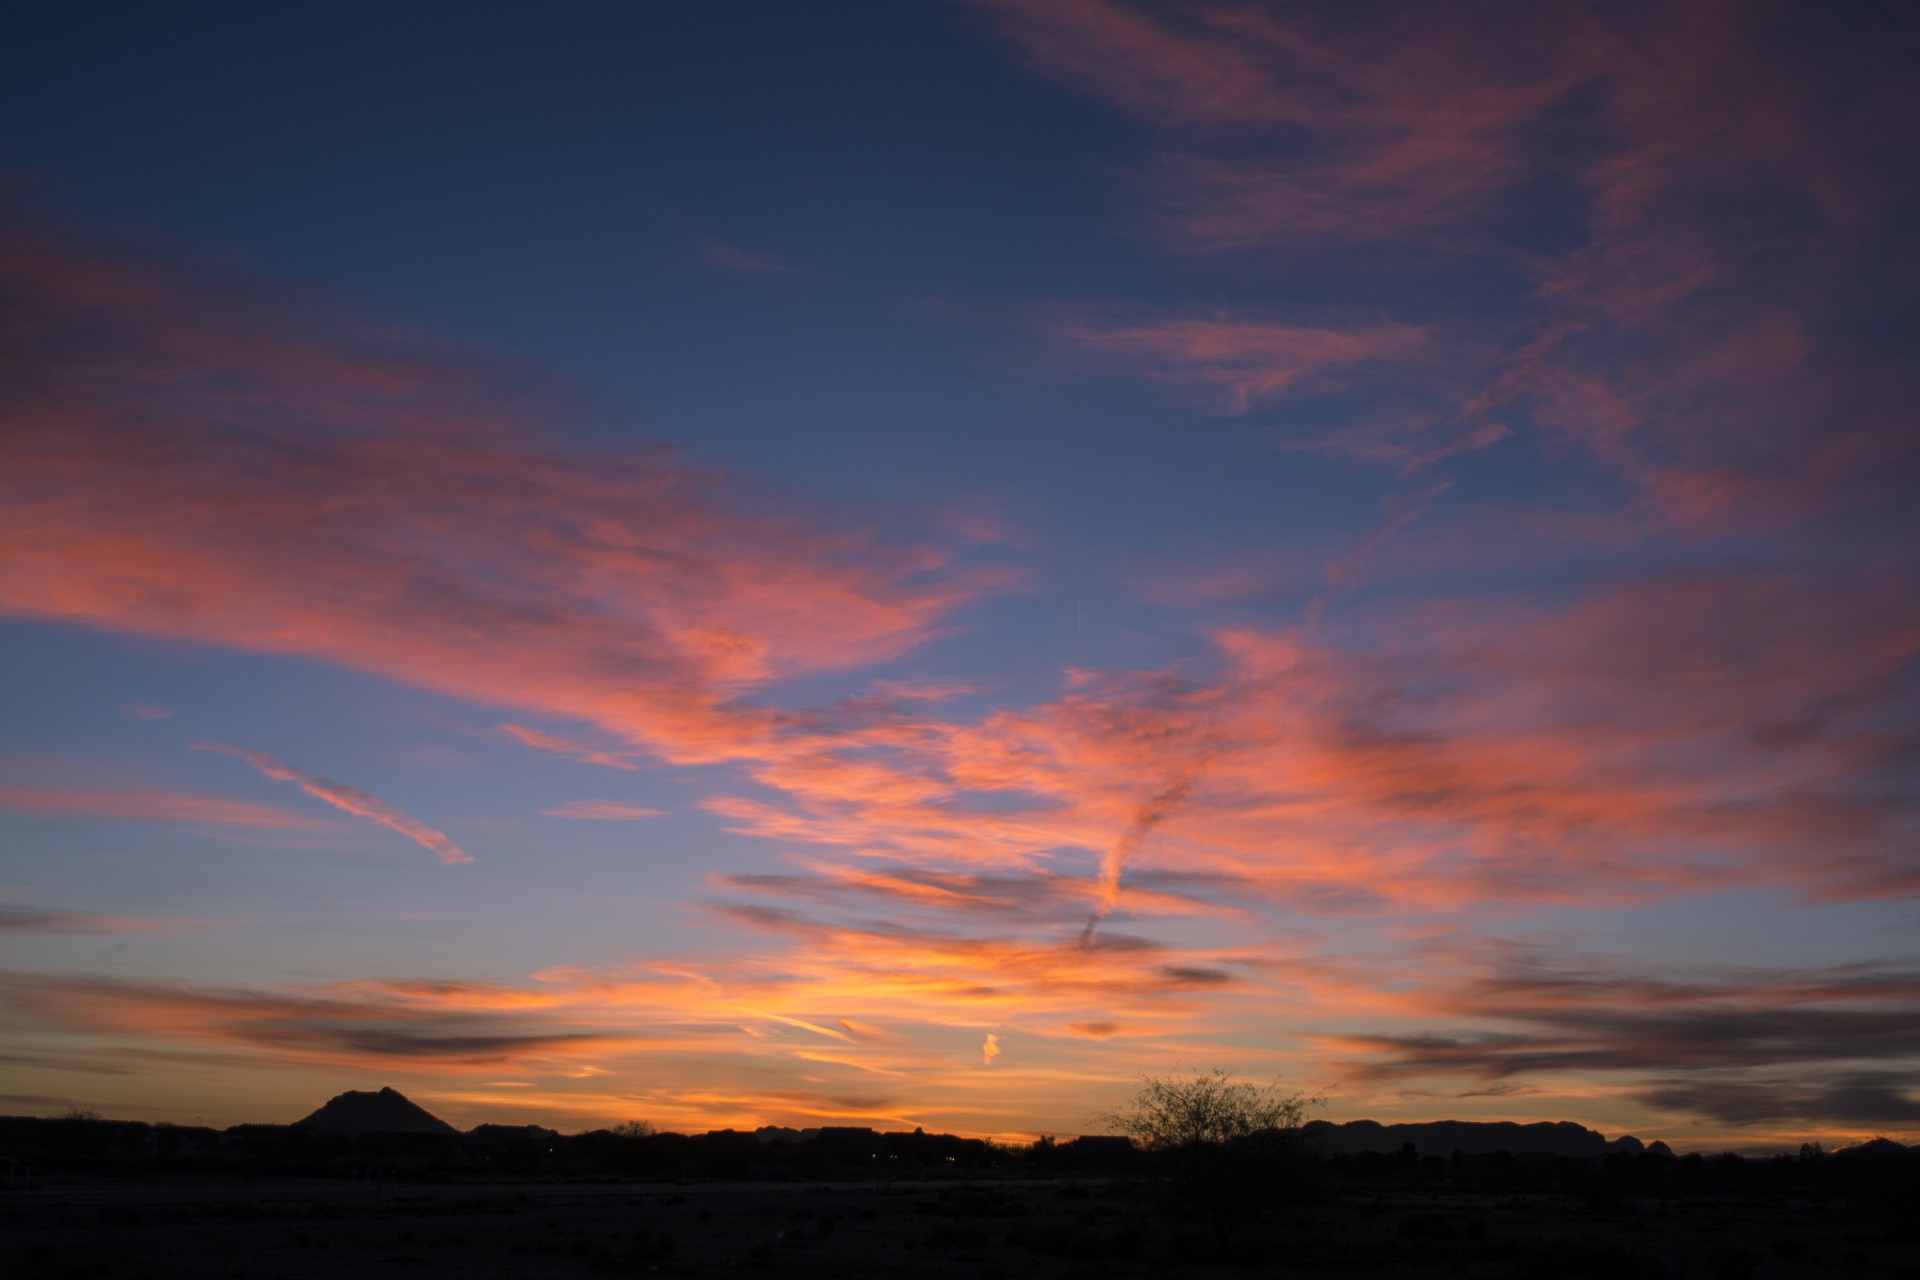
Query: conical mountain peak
x=387, y=1111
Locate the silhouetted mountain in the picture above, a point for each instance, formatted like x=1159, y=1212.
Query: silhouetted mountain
x=1876, y=1149
x=1474, y=1137
x=388, y=1111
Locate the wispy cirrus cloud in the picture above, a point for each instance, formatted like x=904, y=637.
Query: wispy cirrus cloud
x=151, y=805
x=1591, y=157
x=347, y=799
x=602, y=811
x=336, y=1025
x=196, y=457
x=1675, y=734
x=1313, y=123
x=24, y=918
x=541, y=740
x=910, y=969
x=1233, y=363
x=732, y=257
x=1322, y=121
x=1005, y=899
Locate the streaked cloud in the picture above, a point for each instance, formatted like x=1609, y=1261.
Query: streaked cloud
x=348, y=799
x=1873, y=1100
x=543, y=741
x=732, y=257
x=1284, y=126
x=25, y=918
x=601, y=810
x=1683, y=352
x=148, y=805
x=1460, y=754
x=201, y=460
x=1234, y=363
x=1722, y=1043
x=339, y=1027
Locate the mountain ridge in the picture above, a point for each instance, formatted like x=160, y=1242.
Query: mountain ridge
x=387, y=1110
x=1471, y=1137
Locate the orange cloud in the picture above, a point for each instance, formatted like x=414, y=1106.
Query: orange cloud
x=749, y=1038
x=1492, y=755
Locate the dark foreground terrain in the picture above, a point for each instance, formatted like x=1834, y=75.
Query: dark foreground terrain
x=973, y=1225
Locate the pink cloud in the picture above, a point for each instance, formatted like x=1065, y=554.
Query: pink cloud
x=348, y=799
x=543, y=741
x=199, y=459
x=1299, y=125
x=1684, y=345
x=1236, y=363
x=1451, y=756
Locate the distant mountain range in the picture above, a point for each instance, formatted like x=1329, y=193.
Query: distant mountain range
x=1473, y=1137
x=389, y=1111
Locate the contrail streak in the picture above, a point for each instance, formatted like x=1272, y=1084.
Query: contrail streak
x=1145, y=819
x=351, y=799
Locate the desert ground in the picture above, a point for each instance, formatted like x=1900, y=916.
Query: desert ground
x=976, y=1227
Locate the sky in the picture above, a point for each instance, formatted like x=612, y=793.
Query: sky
x=907, y=564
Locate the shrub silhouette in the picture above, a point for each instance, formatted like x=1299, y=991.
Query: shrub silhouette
x=1230, y=1151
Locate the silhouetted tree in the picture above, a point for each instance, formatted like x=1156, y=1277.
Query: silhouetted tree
x=1231, y=1150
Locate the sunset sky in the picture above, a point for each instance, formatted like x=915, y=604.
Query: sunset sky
x=906, y=563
